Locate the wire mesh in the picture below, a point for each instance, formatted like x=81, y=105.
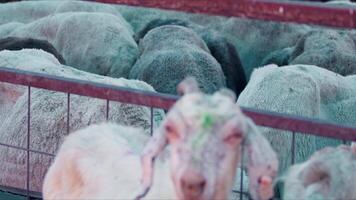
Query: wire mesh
x=241, y=193
x=155, y=100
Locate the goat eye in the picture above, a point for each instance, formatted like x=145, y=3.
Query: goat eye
x=171, y=132
x=233, y=138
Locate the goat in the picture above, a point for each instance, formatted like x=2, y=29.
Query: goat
x=205, y=134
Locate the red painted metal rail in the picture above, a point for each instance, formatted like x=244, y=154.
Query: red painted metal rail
x=298, y=12
x=164, y=101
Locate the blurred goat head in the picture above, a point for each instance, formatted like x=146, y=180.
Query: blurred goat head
x=205, y=133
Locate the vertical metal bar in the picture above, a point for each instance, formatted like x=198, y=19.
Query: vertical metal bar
x=68, y=112
x=241, y=169
x=293, y=148
x=28, y=143
x=352, y=17
x=151, y=118
x=107, y=109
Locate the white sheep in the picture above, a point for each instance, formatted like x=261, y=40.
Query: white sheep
x=328, y=174
x=205, y=133
x=29, y=11
x=71, y=33
x=303, y=90
x=49, y=114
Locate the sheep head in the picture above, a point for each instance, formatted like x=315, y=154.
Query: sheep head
x=205, y=133
x=327, y=174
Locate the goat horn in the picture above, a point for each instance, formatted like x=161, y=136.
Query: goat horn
x=188, y=85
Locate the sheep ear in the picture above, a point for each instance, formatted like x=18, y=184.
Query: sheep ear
x=315, y=172
x=228, y=93
x=154, y=146
x=188, y=85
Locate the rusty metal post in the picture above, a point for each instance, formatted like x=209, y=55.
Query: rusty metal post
x=293, y=148
x=151, y=118
x=68, y=112
x=107, y=109
x=28, y=143
x=241, y=170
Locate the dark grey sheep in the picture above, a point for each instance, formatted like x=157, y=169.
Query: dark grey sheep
x=17, y=43
x=329, y=49
x=170, y=53
x=220, y=48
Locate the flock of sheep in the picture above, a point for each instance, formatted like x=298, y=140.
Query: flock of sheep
x=286, y=68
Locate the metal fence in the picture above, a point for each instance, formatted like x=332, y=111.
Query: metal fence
x=152, y=100
x=273, y=10
x=266, y=10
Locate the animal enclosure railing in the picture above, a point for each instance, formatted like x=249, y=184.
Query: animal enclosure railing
x=265, y=10
x=152, y=100
x=273, y=10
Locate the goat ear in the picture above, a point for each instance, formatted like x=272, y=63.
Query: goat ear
x=259, y=149
x=259, y=152
x=188, y=85
x=353, y=147
x=154, y=146
x=228, y=93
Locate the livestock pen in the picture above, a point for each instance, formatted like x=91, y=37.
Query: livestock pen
x=265, y=10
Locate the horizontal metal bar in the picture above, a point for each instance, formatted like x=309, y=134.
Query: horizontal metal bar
x=297, y=12
x=157, y=100
x=294, y=123
x=20, y=192
x=239, y=192
x=25, y=149
x=87, y=88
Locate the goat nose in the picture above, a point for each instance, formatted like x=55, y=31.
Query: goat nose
x=192, y=184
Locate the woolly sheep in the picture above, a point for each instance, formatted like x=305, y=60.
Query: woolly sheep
x=36, y=60
x=302, y=90
x=328, y=174
x=111, y=52
x=16, y=43
x=170, y=53
x=330, y=49
x=7, y=28
x=341, y=3
x=29, y=11
x=49, y=114
x=205, y=133
x=252, y=38
x=220, y=47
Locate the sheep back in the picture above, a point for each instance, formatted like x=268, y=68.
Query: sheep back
x=111, y=52
x=170, y=53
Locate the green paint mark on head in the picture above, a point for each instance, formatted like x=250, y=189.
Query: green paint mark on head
x=207, y=121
